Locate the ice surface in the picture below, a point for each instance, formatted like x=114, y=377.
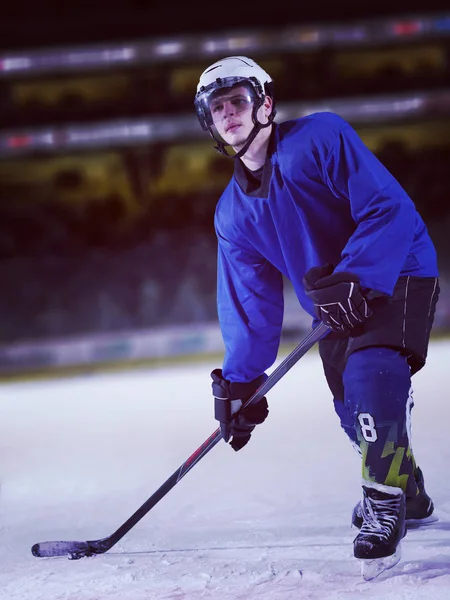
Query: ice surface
x=271, y=522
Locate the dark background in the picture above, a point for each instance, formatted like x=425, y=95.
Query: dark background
x=115, y=233
x=44, y=23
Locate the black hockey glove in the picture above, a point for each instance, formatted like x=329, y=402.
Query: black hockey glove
x=228, y=399
x=338, y=299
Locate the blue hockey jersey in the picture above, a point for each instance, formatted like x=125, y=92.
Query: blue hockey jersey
x=324, y=198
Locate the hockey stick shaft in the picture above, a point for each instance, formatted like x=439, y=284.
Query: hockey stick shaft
x=80, y=549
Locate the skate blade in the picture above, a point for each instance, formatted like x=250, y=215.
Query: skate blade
x=371, y=568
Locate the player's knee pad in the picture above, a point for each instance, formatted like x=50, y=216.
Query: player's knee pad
x=377, y=381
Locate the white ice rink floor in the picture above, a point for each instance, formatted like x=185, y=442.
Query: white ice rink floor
x=272, y=522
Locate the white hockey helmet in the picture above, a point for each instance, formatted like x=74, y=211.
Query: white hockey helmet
x=226, y=73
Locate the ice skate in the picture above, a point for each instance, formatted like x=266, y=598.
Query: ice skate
x=419, y=510
x=377, y=545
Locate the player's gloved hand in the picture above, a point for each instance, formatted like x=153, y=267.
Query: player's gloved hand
x=338, y=299
x=228, y=399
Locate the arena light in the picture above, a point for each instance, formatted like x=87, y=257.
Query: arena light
x=169, y=48
x=15, y=63
x=302, y=37
x=401, y=28
x=19, y=141
x=442, y=24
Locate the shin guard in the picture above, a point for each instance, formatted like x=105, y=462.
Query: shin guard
x=378, y=400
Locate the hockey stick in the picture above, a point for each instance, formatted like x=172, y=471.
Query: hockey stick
x=75, y=550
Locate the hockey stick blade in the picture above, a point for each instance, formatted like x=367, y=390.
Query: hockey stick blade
x=75, y=550
x=72, y=550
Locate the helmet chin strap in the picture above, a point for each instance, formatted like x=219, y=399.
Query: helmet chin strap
x=221, y=146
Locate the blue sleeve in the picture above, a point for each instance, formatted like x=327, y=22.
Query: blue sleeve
x=384, y=214
x=250, y=305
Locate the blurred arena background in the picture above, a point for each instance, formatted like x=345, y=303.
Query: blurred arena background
x=108, y=185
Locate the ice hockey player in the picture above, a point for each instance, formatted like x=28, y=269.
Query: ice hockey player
x=309, y=201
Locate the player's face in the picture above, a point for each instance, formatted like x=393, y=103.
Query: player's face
x=232, y=115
